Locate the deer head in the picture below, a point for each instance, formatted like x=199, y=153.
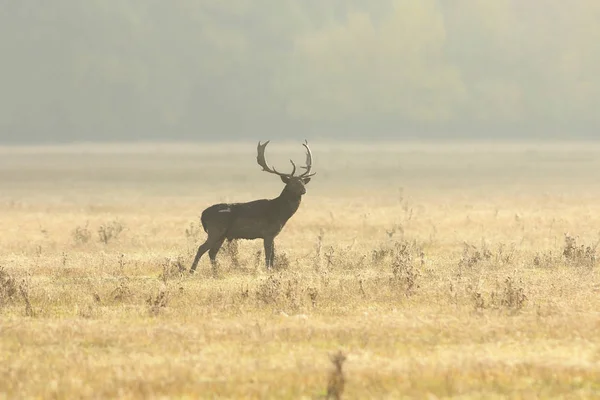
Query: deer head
x=293, y=183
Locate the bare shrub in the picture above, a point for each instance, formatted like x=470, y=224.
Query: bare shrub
x=404, y=274
x=510, y=296
x=233, y=252
x=380, y=254
x=122, y=291
x=268, y=291
x=157, y=302
x=287, y=293
x=244, y=293
x=9, y=289
x=504, y=256
x=88, y=310
x=281, y=262
x=81, y=234
x=544, y=259
x=579, y=255
x=472, y=256
x=110, y=231
x=172, y=269
x=345, y=259
x=390, y=250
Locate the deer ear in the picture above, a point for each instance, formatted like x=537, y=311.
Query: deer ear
x=305, y=180
x=285, y=179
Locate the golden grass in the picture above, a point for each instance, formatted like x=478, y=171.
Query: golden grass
x=437, y=270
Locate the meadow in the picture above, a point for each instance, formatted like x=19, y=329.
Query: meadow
x=438, y=270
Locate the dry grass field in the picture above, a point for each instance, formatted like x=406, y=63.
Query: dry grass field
x=439, y=270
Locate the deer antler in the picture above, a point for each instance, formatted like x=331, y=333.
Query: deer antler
x=262, y=161
x=308, y=166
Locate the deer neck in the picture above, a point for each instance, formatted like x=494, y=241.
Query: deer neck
x=288, y=202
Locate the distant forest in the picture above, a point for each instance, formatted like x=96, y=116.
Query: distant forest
x=194, y=70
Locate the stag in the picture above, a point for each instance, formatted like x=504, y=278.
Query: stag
x=260, y=219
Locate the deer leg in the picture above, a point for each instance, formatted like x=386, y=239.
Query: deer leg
x=214, y=249
x=269, y=252
x=204, y=247
x=212, y=254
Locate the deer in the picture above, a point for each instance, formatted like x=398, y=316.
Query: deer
x=259, y=219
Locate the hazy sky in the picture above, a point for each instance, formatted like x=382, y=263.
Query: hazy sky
x=105, y=70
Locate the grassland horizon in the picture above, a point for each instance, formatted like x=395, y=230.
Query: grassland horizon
x=440, y=270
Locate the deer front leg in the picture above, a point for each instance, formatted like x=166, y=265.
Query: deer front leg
x=269, y=252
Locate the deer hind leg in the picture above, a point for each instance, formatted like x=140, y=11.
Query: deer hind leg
x=212, y=254
x=214, y=250
x=204, y=247
x=211, y=242
x=269, y=252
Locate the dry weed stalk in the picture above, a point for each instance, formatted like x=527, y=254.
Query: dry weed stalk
x=258, y=259
x=244, y=293
x=337, y=381
x=362, y=289
x=292, y=294
x=24, y=290
x=193, y=231
x=319, y=247
x=396, y=228
x=313, y=294
x=8, y=287
x=329, y=256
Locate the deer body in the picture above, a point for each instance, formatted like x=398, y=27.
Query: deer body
x=259, y=219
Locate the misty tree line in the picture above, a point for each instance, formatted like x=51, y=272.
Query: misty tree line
x=199, y=69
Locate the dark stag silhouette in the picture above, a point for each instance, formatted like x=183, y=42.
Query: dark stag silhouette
x=259, y=219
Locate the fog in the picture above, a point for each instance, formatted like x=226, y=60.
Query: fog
x=150, y=70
